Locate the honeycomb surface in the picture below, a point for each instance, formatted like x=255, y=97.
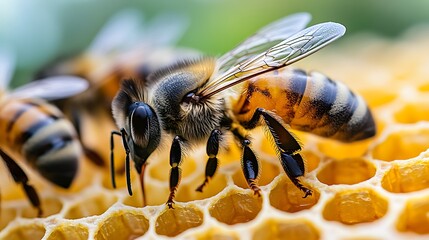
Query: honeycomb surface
x=374, y=189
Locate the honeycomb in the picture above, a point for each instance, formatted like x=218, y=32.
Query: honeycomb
x=374, y=189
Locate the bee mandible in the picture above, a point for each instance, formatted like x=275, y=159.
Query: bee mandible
x=200, y=100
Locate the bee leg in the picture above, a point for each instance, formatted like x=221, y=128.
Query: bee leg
x=287, y=146
x=19, y=176
x=212, y=150
x=250, y=166
x=92, y=155
x=175, y=173
x=249, y=162
x=123, y=134
x=112, y=159
x=127, y=160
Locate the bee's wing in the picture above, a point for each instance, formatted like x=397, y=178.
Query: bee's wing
x=264, y=39
x=52, y=88
x=7, y=66
x=284, y=53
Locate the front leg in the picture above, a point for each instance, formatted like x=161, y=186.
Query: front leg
x=175, y=173
x=287, y=147
x=124, y=135
x=212, y=150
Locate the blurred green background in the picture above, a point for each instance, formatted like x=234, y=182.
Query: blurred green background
x=40, y=31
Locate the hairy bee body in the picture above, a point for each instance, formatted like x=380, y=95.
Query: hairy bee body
x=37, y=132
x=307, y=102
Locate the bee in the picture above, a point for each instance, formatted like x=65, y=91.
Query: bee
x=199, y=100
x=124, y=47
x=37, y=132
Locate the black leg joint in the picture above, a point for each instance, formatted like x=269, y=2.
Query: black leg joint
x=250, y=164
x=212, y=148
x=176, y=152
x=175, y=175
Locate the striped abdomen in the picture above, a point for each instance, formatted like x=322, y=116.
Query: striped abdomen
x=37, y=132
x=311, y=103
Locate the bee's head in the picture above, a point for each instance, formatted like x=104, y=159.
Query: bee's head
x=138, y=119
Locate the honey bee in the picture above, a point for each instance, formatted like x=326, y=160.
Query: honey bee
x=37, y=132
x=200, y=100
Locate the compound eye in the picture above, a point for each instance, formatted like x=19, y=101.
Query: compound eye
x=191, y=97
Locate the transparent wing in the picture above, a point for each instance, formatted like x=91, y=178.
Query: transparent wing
x=265, y=38
x=284, y=53
x=52, y=88
x=7, y=66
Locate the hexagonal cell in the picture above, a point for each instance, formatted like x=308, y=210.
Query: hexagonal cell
x=268, y=171
x=236, y=207
x=339, y=150
x=413, y=112
x=69, y=231
x=375, y=97
x=30, y=231
x=287, y=197
x=346, y=171
x=215, y=234
x=123, y=225
x=407, y=177
x=93, y=205
x=414, y=217
x=172, y=222
x=159, y=167
x=272, y=229
x=355, y=206
x=403, y=144
x=187, y=191
x=50, y=206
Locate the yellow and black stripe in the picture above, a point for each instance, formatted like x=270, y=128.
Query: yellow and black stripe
x=309, y=102
x=38, y=133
